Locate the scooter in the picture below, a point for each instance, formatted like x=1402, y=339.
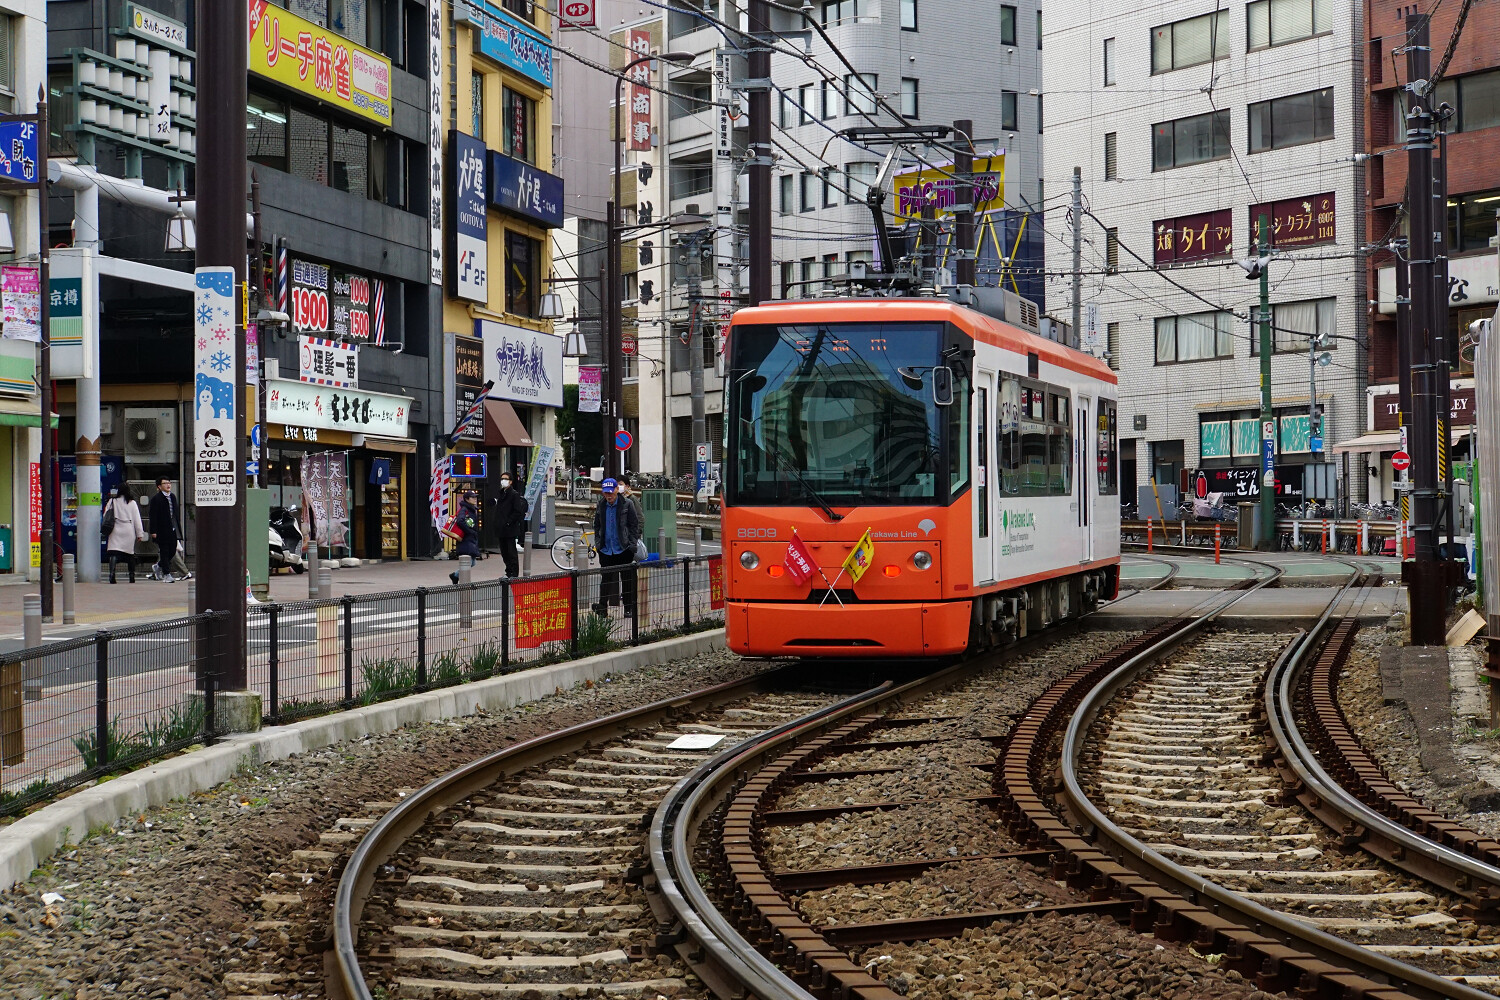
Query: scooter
x=286, y=540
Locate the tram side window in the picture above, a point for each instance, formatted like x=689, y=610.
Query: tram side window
x=1108, y=448
x=958, y=434
x=1033, y=456
x=982, y=456
x=1059, y=444
x=1008, y=435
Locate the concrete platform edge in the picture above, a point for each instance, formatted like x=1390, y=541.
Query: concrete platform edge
x=30, y=841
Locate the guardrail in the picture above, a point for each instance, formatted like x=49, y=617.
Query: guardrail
x=76, y=710
x=1348, y=535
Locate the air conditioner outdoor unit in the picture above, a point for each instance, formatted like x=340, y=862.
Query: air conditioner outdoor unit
x=150, y=436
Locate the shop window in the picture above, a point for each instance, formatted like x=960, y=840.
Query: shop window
x=523, y=261
x=351, y=161
x=476, y=105
x=265, y=132
x=308, y=146
x=518, y=126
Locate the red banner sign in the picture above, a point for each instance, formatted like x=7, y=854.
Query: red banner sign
x=638, y=114
x=543, y=611
x=1194, y=237
x=716, y=582
x=1296, y=222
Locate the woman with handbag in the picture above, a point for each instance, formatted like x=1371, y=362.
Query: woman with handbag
x=122, y=528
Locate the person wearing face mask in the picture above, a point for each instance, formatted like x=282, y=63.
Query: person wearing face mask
x=510, y=518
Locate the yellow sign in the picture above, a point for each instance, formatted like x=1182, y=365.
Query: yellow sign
x=858, y=559
x=936, y=184
x=319, y=62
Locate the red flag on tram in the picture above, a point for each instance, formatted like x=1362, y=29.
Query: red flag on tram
x=799, y=562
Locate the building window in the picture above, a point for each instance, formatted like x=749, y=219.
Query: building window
x=1195, y=337
x=1291, y=121
x=524, y=9
x=1007, y=25
x=1471, y=220
x=859, y=93
x=1190, y=140
x=1111, y=250
x=518, y=126
x=8, y=68
x=809, y=191
x=523, y=264
x=1189, y=42
x=1109, y=62
x=1294, y=324
x=830, y=268
x=836, y=11
x=1475, y=99
x=1039, y=29
x=265, y=132
x=1111, y=162
x=783, y=110
x=828, y=99
x=691, y=178
x=1112, y=345
x=351, y=161
x=1038, y=114
x=1008, y=116
x=805, y=110
x=308, y=146
x=860, y=177
x=788, y=198
x=476, y=105
x=786, y=278
x=830, y=187
x=909, y=97
x=1276, y=22
x=805, y=275
x=908, y=15
x=688, y=97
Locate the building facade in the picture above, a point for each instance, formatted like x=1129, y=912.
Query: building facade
x=1189, y=122
x=1470, y=151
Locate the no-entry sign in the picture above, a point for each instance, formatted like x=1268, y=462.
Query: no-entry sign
x=1400, y=461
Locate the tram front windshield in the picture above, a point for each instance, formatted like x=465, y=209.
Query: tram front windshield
x=835, y=413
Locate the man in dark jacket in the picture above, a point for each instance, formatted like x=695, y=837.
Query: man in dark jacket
x=510, y=521
x=468, y=527
x=617, y=527
x=166, y=529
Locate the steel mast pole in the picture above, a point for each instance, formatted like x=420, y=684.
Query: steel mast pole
x=758, y=68
x=1267, y=417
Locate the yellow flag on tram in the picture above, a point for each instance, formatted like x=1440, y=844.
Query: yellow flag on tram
x=859, y=557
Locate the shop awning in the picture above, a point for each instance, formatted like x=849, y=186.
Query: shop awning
x=20, y=412
x=502, y=427
x=1378, y=441
x=392, y=446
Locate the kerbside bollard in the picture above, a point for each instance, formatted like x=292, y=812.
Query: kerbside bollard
x=697, y=540
x=525, y=553
x=661, y=543
x=31, y=675
x=70, y=585
x=465, y=593
x=312, y=571
x=325, y=583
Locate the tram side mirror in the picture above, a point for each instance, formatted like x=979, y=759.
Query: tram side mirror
x=942, y=385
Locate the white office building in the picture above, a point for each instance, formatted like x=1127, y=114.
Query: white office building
x=1188, y=120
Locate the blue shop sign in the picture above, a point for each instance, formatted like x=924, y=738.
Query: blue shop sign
x=521, y=189
x=18, y=152
x=512, y=43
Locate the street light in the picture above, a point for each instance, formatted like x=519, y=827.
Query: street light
x=574, y=345
x=551, y=307
x=612, y=299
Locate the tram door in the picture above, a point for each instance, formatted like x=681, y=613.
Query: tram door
x=1083, y=446
x=984, y=477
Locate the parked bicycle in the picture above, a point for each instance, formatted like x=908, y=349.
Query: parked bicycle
x=563, y=548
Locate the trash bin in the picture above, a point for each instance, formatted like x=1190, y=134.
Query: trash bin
x=1249, y=525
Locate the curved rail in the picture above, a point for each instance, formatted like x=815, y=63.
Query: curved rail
x=1327, y=960
x=397, y=826
x=1423, y=843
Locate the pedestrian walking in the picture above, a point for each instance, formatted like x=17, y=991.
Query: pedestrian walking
x=617, y=527
x=166, y=532
x=122, y=528
x=467, y=523
x=510, y=519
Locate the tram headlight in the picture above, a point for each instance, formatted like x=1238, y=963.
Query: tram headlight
x=922, y=560
x=749, y=560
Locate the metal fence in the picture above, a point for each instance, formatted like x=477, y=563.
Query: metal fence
x=73, y=711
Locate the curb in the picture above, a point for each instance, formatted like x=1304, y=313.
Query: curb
x=25, y=844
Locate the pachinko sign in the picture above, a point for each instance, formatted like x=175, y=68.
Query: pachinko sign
x=319, y=62
x=938, y=186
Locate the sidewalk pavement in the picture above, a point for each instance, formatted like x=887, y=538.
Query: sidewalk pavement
x=101, y=605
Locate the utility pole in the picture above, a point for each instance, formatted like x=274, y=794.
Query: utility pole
x=44, y=358
x=257, y=303
x=1447, y=352
x=1267, y=418
x=758, y=68
x=694, y=249
x=1426, y=578
x=1077, y=251
x=223, y=47
x=963, y=217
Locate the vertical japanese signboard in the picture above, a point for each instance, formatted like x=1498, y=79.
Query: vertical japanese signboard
x=468, y=382
x=435, y=140
x=716, y=582
x=21, y=300
x=35, y=518
x=589, y=389
x=638, y=114
x=216, y=435
x=470, y=246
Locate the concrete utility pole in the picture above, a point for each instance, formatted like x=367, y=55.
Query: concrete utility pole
x=223, y=48
x=1267, y=418
x=694, y=249
x=1426, y=578
x=963, y=216
x=44, y=362
x=1077, y=250
x=758, y=68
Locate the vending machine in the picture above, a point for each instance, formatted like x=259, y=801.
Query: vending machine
x=111, y=475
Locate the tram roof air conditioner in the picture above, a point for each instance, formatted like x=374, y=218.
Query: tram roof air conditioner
x=1001, y=304
x=150, y=436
